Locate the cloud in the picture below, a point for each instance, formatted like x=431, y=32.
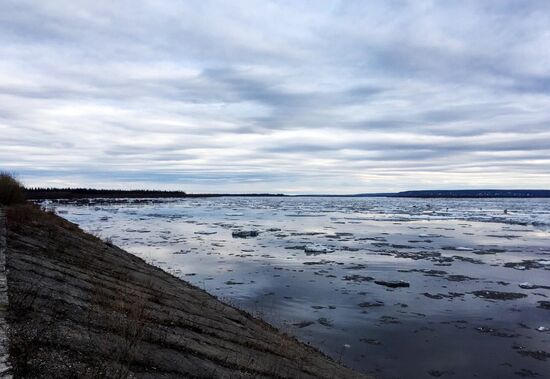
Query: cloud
x=254, y=96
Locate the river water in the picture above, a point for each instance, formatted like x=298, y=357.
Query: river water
x=473, y=275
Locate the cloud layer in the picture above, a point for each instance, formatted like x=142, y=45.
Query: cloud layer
x=276, y=96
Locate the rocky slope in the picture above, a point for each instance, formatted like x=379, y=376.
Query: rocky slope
x=80, y=307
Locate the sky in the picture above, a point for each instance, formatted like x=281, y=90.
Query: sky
x=276, y=96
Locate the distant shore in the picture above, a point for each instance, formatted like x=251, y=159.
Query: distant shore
x=88, y=193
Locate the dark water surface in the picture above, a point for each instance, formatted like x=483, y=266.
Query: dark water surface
x=312, y=271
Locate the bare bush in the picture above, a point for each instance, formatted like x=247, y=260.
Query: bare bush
x=11, y=190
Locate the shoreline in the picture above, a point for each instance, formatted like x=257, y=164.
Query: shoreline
x=93, y=302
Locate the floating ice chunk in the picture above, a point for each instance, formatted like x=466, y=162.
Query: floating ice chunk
x=206, y=232
x=244, y=233
x=462, y=248
x=527, y=286
x=458, y=248
x=304, y=215
x=235, y=214
x=392, y=283
x=545, y=263
x=318, y=249
x=543, y=329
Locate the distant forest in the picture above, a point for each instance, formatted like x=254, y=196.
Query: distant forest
x=481, y=193
x=90, y=193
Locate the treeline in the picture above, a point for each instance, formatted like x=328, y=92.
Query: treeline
x=80, y=193
x=482, y=193
x=90, y=193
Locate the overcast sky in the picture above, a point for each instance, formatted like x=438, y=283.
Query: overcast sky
x=276, y=96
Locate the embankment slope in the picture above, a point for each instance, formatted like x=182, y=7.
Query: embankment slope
x=79, y=307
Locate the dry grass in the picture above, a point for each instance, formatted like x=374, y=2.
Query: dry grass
x=11, y=190
x=25, y=214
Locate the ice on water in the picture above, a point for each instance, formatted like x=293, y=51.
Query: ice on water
x=311, y=266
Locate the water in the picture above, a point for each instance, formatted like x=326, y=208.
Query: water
x=312, y=270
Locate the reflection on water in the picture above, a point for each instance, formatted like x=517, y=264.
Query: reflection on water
x=324, y=269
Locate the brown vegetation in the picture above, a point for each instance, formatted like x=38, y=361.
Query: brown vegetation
x=11, y=190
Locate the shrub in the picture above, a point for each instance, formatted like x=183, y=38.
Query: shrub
x=11, y=190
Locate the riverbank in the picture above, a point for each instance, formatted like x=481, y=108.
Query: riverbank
x=82, y=307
